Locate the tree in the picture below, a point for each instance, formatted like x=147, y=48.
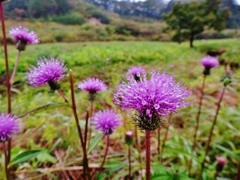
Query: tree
x=190, y=19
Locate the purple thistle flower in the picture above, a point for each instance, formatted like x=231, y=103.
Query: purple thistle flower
x=136, y=72
x=106, y=121
x=209, y=61
x=153, y=98
x=8, y=126
x=48, y=71
x=92, y=85
x=23, y=36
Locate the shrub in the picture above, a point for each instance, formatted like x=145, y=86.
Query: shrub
x=101, y=16
x=72, y=19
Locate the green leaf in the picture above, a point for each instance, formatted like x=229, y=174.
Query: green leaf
x=94, y=142
x=46, y=157
x=25, y=156
x=112, y=170
x=44, y=108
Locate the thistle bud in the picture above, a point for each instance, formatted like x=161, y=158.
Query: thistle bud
x=129, y=138
x=221, y=162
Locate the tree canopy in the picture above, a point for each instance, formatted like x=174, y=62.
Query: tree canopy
x=190, y=19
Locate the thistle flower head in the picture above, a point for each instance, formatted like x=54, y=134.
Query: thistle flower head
x=47, y=71
x=23, y=37
x=8, y=126
x=106, y=121
x=92, y=85
x=136, y=72
x=152, y=98
x=209, y=61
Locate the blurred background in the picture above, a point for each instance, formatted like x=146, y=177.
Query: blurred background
x=106, y=20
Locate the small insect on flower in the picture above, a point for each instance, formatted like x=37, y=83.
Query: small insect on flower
x=23, y=37
x=8, y=126
x=106, y=121
x=136, y=72
x=48, y=71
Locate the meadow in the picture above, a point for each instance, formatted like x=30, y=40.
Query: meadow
x=53, y=130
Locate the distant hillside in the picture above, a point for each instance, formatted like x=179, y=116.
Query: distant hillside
x=156, y=8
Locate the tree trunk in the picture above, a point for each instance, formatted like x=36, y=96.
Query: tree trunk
x=191, y=40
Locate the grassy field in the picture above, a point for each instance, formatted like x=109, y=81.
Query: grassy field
x=54, y=130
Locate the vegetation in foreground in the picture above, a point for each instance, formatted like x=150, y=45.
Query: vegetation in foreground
x=56, y=137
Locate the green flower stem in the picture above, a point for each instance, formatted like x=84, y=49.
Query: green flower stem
x=158, y=146
x=86, y=131
x=8, y=177
x=166, y=133
x=138, y=148
x=197, y=121
x=90, y=130
x=211, y=133
x=15, y=68
x=129, y=161
x=148, y=154
x=85, y=160
x=104, y=158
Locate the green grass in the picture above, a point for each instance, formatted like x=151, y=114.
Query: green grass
x=42, y=130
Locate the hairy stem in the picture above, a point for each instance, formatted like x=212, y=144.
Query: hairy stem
x=129, y=161
x=211, y=133
x=90, y=130
x=138, y=148
x=6, y=162
x=104, y=158
x=166, y=133
x=15, y=68
x=8, y=85
x=197, y=121
x=85, y=160
x=158, y=146
x=86, y=131
x=238, y=174
x=148, y=154
x=6, y=58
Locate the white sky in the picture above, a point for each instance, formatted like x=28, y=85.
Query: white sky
x=237, y=2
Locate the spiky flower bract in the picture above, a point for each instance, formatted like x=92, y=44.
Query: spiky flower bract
x=47, y=71
x=106, y=121
x=136, y=72
x=23, y=36
x=152, y=98
x=8, y=126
